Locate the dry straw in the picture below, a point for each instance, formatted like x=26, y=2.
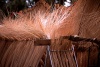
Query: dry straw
x=17, y=42
x=17, y=45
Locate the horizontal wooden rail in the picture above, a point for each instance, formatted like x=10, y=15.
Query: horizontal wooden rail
x=76, y=39
x=71, y=38
x=43, y=42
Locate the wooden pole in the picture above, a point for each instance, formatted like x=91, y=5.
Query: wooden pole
x=45, y=42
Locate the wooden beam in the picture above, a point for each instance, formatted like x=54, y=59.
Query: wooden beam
x=42, y=42
x=77, y=39
x=46, y=42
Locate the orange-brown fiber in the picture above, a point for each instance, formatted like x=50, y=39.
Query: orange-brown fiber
x=17, y=36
